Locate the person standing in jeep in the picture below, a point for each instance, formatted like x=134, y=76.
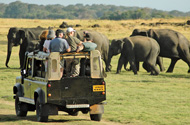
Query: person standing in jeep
x=73, y=66
x=59, y=45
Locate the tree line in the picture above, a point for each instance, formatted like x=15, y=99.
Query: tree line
x=18, y=9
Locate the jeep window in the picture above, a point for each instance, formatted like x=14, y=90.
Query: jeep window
x=39, y=68
x=29, y=67
x=35, y=68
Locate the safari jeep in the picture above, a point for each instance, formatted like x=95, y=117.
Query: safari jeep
x=43, y=89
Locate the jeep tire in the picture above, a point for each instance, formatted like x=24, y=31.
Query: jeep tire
x=19, y=107
x=41, y=116
x=95, y=117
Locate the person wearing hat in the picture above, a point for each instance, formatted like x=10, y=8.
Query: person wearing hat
x=50, y=36
x=72, y=67
x=72, y=41
x=59, y=45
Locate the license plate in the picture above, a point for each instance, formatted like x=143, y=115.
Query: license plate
x=98, y=88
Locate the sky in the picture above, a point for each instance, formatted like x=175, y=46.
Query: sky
x=166, y=5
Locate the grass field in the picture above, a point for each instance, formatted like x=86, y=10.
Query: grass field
x=131, y=99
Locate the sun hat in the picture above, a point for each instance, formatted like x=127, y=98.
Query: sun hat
x=69, y=29
x=51, y=34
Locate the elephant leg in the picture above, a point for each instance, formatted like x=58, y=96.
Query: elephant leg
x=146, y=67
x=108, y=64
x=151, y=61
x=137, y=65
x=133, y=66
x=120, y=63
x=159, y=61
x=172, y=64
x=185, y=56
x=125, y=65
x=188, y=63
x=153, y=68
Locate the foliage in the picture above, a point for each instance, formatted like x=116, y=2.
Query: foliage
x=79, y=11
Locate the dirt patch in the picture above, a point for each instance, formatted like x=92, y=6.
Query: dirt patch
x=8, y=116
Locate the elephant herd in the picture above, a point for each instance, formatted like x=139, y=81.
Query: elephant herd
x=162, y=43
x=29, y=40
x=147, y=46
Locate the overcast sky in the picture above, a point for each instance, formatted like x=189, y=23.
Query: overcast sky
x=166, y=5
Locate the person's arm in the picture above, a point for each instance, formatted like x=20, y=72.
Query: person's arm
x=45, y=46
x=44, y=49
x=78, y=42
x=50, y=47
x=80, y=48
x=69, y=49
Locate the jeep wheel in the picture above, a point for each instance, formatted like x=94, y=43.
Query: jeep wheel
x=74, y=113
x=41, y=116
x=19, y=108
x=96, y=117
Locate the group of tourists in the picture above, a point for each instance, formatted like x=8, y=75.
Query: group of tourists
x=59, y=41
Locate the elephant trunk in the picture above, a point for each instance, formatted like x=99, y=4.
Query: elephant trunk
x=9, y=50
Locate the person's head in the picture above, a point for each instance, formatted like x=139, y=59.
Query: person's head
x=89, y=37
x=43, y=35
x=70, y=31
x=51, y=34
x=59, y=33
x=84, y=33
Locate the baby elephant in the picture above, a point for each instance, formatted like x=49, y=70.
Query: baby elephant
x=139, y=48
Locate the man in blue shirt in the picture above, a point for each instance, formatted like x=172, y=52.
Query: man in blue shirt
x=59, y=45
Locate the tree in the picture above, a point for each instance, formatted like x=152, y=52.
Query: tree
x=16, y=10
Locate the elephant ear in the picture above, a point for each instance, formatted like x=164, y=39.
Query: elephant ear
x=116, y=43
x=135, y=32
x=113, y=41
x=20, y=35
x=121, y=42
x=79, y=35
x=152, y=34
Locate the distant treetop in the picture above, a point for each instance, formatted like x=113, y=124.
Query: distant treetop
x=79, y=11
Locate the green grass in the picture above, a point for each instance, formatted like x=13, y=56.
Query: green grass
x=146, y=99
x=131, y=99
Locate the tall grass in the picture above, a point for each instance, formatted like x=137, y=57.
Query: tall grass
x=131, y=99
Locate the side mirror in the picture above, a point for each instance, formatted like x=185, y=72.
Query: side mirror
x=23, y=72
x=23, y=75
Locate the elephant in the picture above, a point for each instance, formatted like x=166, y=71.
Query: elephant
x=21, y=36
x=139, y=48
x=173, y=44
x=11, y=36
x=116, y=48
x=101, y=41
